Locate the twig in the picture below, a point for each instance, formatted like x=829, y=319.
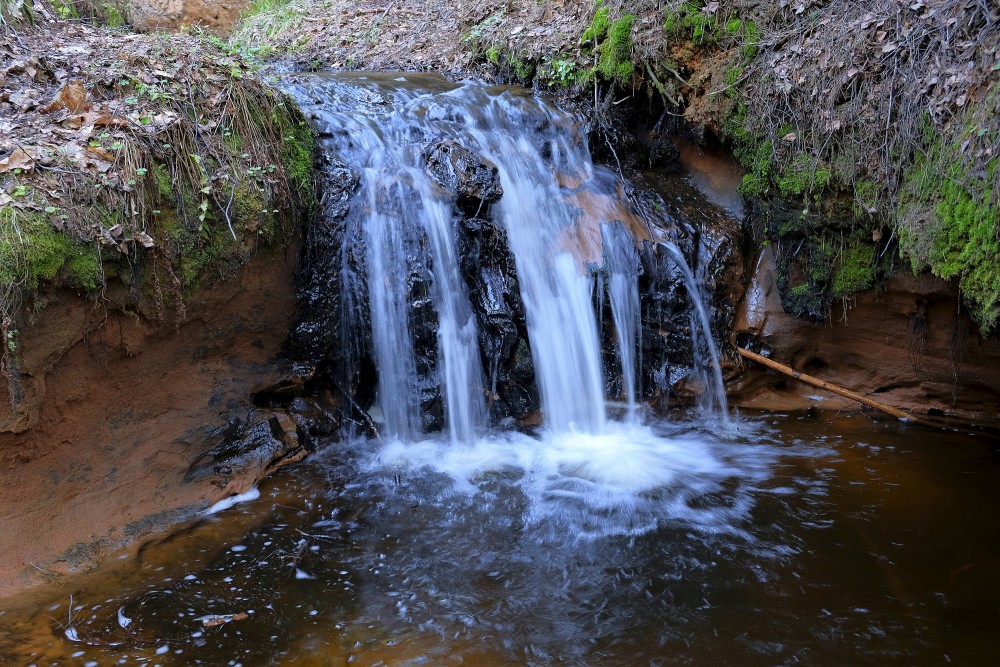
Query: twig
x=836, y=389
x=221, y=619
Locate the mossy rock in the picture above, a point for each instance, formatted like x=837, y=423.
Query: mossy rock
x=824, y=254
x=949, y=226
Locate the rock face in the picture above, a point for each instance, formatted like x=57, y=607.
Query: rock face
x=116, y=409
x=908, y=344
x=332, y=333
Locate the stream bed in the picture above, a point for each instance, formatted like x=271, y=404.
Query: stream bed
x=813, y=539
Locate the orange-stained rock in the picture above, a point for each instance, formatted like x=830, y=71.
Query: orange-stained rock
x=908, y=345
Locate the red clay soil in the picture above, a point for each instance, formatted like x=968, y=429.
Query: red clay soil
x=118, y=409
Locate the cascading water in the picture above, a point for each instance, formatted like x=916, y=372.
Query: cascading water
x=540, y=223
x=621, y=266
x=399, y=210
x=713, y=399
x=561, y=218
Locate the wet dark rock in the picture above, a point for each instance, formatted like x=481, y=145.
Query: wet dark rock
x=322, y=300
x=490, y=275
x=247, y=452
x=474, y=180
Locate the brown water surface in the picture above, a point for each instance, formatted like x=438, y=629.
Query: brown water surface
x=821, y=540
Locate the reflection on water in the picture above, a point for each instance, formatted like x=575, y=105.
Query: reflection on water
x=789, y=540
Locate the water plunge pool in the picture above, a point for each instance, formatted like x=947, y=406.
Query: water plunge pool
x=784, y=540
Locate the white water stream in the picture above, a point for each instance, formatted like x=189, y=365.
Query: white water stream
x=609, y=477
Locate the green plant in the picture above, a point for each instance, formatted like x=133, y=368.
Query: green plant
x=65, y=9
x=561, y=72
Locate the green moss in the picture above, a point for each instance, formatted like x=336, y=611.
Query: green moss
x=615, y=61
x=688, y=20
x=865, y=198
x=32, y=251
x=493, y=55
x=297, y=145
x=949, y=225
x=164, y=182
x=802, y=176
x=84, y=269
x=758, y=160
x=733, y=75
x=598, y=26
x=810, y=267
x=855, y=270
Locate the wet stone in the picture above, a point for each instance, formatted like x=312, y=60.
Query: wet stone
x=473, y=179
x=245, y=453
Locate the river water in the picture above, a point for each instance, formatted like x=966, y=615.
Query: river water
x=786, y=539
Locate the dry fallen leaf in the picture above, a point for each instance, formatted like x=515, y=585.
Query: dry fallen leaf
x=19, y=159
x=101, y=152
x=72, y=96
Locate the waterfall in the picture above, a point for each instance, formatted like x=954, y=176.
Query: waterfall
x=387, y=296
x=457, y=341
x=400, y=212
x=713, y=399
x=562, y=218
x=621, y=263
x=540, y=223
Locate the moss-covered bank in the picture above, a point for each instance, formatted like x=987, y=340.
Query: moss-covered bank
x=158, y=162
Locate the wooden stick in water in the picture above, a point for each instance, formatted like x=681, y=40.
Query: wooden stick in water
x=822, y=384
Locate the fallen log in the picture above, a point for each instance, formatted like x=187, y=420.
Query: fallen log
x=822, y=384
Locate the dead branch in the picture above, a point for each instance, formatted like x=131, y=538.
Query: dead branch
x=829, y=386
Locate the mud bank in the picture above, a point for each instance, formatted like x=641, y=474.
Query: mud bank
x=116, y=409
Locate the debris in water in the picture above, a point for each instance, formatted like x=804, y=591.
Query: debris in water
x=215, y=620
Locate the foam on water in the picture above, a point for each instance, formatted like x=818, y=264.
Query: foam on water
x=626, y=480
